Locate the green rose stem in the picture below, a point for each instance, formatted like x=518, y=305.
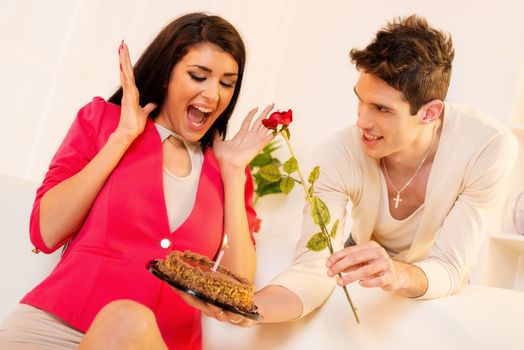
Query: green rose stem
x=284, y=132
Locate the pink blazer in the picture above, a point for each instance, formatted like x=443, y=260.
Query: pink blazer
x=106, y=259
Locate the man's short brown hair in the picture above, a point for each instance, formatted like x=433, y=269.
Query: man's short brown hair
x=411, y=57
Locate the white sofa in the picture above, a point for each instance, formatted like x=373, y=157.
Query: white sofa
x=21, y=269
x=478, y=318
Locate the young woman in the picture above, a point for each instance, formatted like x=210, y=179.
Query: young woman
x=139, y=175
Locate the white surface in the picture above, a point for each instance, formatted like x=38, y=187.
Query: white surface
x=510, y=240
x=505, y=261
x=478, y=318
x=20, y=269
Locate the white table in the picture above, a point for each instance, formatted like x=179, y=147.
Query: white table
x=479, y=317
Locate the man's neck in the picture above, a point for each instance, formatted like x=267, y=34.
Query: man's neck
x=421, y=150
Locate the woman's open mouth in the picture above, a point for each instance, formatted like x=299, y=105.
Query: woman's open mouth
x=197, y=116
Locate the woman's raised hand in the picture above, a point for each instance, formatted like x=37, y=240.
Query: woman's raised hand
x=249, y=141
x=133, y=117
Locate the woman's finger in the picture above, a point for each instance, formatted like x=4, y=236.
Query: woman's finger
x=125, y=61
x=150, y=107
x=120, y=59
x=258, y=123
x=130, y=93
x=246, y=123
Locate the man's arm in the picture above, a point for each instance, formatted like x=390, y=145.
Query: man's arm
x=277, y=304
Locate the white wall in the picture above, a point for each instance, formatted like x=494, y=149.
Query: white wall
x=56, y=55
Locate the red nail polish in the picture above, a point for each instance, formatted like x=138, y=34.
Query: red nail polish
x=120, y=66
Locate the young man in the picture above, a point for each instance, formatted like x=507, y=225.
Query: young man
x=423, y=176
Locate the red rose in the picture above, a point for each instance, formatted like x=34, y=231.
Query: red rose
x=278, y=118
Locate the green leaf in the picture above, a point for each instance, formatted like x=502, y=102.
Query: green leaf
x=317, y=243
x=287, y=184
x=264, y=187
x=260, y=160
x=290, y=165
x=313, y=175
x=270, y=172
x=265, y=157
x=320, y=212
x=310, y=191
x=334, y=229
x=270, y=147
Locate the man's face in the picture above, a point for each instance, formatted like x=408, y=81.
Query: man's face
x=384, y=118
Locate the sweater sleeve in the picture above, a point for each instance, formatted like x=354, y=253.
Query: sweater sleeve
x=459, y=239
x=76, y=150
x=307, y=275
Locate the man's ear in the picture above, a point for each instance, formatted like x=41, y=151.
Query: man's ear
x=431, y=111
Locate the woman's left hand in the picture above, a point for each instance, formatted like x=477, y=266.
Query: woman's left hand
x=249, y=141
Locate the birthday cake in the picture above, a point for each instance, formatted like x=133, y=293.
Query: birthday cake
x=194, y=272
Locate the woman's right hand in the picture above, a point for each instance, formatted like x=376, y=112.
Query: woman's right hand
x=65, y=206
x=133, y=117
x=215, y=312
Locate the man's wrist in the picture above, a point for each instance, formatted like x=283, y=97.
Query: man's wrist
x=411, y=280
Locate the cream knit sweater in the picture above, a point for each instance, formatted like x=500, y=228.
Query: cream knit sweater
x=474, y=159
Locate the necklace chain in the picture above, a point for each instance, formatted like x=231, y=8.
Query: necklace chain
x=397, y=199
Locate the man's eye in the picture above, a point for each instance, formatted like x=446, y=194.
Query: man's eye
x=196, y=77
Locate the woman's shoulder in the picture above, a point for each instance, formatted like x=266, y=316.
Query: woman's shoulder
x=99, y=107
x=99, y=114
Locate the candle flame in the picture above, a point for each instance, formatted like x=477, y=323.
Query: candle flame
x=224, y=242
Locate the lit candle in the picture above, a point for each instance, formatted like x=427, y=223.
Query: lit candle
x=220, y=254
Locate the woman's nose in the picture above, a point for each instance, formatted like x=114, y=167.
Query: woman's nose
x=211, y=91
